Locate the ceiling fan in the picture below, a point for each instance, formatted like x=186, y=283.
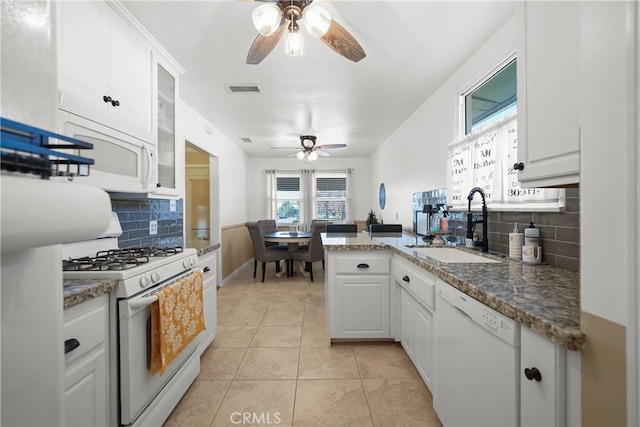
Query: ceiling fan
x=273, y=18
x=308, y=150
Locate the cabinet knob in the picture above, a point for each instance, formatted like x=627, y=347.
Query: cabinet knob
x=363, y=265
x=406, y=279
x=206, y=270
x=158, y=185
x=107, y=98
x=532, y=374
x=518, y=166
x=70, y=345
x=115, y=103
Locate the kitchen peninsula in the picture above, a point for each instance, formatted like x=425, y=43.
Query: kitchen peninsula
x=543, y=298
x=517, y=339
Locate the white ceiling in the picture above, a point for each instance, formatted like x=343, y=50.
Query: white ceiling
x=412, y=48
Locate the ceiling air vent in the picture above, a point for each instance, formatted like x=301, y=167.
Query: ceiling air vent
x=244, y=89
x=245, y=139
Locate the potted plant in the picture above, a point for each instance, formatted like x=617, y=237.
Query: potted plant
x=371, y=219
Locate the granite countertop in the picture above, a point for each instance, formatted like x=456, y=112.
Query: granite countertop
x=545, y=299
x=202, y=246
x=77, y=291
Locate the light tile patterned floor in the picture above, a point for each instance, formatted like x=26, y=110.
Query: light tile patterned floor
x=272, y=363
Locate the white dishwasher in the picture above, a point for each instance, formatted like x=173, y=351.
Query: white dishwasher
x=477, y=359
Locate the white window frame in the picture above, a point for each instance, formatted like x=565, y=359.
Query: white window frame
x=328, y=174
x=462, y=111
x=298, y=199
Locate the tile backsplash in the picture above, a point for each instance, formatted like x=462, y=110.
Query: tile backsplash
x=559, y=231
x=135, y=214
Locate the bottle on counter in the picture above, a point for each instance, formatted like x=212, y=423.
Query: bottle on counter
x=444, y=221
x=531, y=236
x=516, y=240
x=435, y=222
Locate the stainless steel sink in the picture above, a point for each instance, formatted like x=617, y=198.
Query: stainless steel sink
x=453, y=255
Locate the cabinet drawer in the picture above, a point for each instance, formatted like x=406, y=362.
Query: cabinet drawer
x=207, y=263
x=87, y=324
x=363, y=264
x=419, y=282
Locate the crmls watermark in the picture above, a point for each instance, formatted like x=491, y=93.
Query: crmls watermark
x=267, y=418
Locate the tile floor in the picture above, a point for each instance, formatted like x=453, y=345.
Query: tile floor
x=272, y=363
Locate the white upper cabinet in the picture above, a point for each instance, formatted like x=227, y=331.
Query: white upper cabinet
x=104, y=69
x=548, y=93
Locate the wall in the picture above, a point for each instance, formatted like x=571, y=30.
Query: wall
x=230, y=179
x=608, y=174
x=418, y=148
x=361, y=184
x=134, y=216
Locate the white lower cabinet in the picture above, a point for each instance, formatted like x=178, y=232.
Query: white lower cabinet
x=549, y=382
x=86, y=332
x=358, y=294
x=207, y=263
x=416, y=306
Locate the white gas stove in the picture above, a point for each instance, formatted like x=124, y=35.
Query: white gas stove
x=144, y=399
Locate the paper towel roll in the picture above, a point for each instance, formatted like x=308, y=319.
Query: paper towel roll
x=37, y=212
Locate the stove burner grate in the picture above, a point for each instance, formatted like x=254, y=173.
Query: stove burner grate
x=118, y=259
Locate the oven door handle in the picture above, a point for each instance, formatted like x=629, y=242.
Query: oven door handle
x=142, y=303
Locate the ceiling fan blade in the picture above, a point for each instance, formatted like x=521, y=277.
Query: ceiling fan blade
x=284, y=148
x=262, y=46
x=322, y=153
x=293, y=154
x=341, y=41
x=331, y=146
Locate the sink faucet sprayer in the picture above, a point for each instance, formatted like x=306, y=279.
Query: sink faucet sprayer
x=471, y=223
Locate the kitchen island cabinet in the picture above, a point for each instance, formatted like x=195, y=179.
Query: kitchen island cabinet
x=87, y=391
x=104, y=69
x=528, y=294
x=548, y=94
x=357, y=289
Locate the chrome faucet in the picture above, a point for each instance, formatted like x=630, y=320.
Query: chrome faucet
x=471, y=222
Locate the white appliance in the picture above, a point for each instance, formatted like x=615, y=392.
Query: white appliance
x=477, y=357
x=143, y=399
x=122, y=163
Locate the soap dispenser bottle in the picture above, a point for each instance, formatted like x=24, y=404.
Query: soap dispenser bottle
x=516, y=240
x=531, y=236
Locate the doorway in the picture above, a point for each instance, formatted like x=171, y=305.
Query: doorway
x=197, y=207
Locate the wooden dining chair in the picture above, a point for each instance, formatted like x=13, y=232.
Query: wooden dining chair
x=313, y=251
x=263, y=253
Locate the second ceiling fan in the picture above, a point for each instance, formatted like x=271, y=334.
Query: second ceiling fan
x=277, y=16
x=308, y=150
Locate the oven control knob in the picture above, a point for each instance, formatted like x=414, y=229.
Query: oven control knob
x=192, y=261
x=144, y=281
x=185, y=263
x=155, y=277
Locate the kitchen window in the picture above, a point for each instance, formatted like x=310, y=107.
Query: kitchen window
x=287, y=198
x=298, y=197
x=331, y=197
x=491, y=99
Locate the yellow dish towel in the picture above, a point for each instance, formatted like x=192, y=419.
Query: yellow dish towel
x=176, y=319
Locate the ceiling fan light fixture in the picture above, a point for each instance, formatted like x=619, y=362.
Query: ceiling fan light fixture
x=300, y=155
x=266, y=18
x=316, y=20
x=313, y=156
x=294, y=45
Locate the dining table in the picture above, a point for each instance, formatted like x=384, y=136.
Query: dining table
x=292, y=240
